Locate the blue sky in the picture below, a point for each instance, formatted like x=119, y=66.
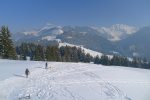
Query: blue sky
x=28, y=14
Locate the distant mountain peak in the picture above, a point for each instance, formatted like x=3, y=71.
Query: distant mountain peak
x=116, y=32
x=50, y=26
x=55, y=30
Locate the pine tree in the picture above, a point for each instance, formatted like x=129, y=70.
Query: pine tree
x=52, y=53
x=1, y=45
x=81, y=54
x=7, y=49
x=39, y=53
x=97, y=60
x=104, y=60
x=67, y=54
x=88, y=58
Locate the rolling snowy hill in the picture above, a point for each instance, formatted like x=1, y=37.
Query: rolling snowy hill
x=72, y=81
x=91, y=52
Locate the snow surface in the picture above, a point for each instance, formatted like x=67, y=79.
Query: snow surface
x=51, y=38
x=72, y=81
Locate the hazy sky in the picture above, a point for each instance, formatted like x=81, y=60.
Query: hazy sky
x=28, y=14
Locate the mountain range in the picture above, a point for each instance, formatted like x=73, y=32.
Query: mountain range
x=119, y=38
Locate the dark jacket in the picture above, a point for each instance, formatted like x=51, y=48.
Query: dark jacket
x=27, y=71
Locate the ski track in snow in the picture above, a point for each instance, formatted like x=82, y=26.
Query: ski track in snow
x=68, y=82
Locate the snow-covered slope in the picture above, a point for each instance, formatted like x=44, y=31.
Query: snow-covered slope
x=72, y=81
x=91, y=52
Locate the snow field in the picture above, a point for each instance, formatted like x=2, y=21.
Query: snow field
x=74, y=81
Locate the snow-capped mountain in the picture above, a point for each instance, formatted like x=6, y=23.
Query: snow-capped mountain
x=52, y=34
x=45, y=35
x=116, y=32
x=94, y=38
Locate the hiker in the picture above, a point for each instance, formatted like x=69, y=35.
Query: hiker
x=46, y=65
x=27, y=72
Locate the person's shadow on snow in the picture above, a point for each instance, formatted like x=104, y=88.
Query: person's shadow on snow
x=19, y=75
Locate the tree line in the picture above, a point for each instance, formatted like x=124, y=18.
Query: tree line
x=74, y=54
x=37, y=52
x=52, y=53
x=122, y=61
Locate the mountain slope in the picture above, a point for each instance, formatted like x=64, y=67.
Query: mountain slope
x=133, y=41
x=85, y=36
x=74, y=81
x=46, y=35
x=116, y=32
x=88, y=38
x=137, y=44
x=86, y=51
